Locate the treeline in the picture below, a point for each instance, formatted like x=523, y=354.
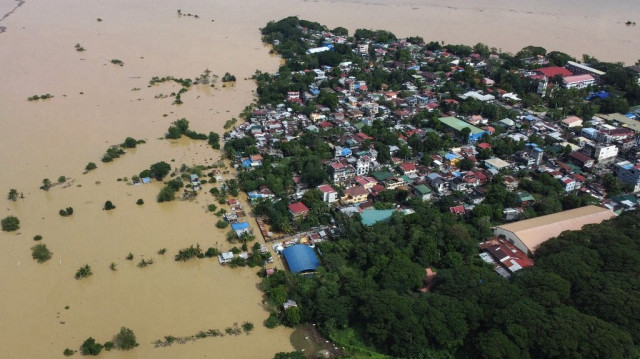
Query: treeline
x=580, y=300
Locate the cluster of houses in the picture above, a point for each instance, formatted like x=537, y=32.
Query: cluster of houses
x=576, y=151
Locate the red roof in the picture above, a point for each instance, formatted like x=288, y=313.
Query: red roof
x=406, y=167
x=326, y=189
x=298, y=208
x=457, y=210
x=554, y=71
x=484, y=145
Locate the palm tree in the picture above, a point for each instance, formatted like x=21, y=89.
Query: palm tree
x=13, y=194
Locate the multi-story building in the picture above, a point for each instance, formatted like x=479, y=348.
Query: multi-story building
x=629, y=174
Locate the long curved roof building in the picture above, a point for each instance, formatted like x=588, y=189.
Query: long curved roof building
x=301, y=258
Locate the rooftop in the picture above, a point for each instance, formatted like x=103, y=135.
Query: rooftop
x=533, y=232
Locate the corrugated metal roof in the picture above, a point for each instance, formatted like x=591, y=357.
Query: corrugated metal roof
x=533, y=232
x=301, y=258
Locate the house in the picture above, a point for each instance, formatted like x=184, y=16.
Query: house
x=356, y=194
x=195, y=182
x=225, y=257
x=572, y=121
x=496, y=164
x=629, y=174
x=581, y=159
x=329, y=194
x=241, y=228
x=422, y=191
x=568, y=184
x=408, y=168
x=298, y=209
x=457, y=210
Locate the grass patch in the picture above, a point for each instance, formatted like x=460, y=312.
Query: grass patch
x=353, y=344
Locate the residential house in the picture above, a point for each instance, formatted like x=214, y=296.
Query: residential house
x=329, y=194
x=298, y=209
x=356, y=194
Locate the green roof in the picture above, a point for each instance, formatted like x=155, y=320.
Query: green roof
x=525, y=196
x=382, y=175
x=359, y=125
x=458, y=125
x=371, y=216
x=423, y=189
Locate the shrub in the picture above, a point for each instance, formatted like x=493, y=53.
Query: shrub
x=46, y=184
x=187, y=253
x=222, y=224
x=62, y=179
x=117, y=62
x=139, y=202
x=108, y=205
x=13, y=194
x=68, y=352
x=90, y=166
x=112, y=266
x=126, y=339
x=162, y=251
x=212, y=207
x=272, y=321
x=247, y=327
x=37, y=237
x=66, y=212
x=166, y=194
x=108, y=346
x=130, y=142
x=90, y=347
x=41, y=253
x=212, y=252
x=84, y=272
x=129, y=256
x=10, y=223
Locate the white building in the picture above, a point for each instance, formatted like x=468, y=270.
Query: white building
x=604, y=153
x=329, y=194
x=578, y=81
x=362, y=166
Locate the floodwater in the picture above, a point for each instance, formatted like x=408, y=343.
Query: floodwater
x=97, y=104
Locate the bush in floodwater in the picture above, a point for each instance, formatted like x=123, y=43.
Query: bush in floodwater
x=41, y=253
x=84, y=272
x=108, y=205
x=10, y=224
x=90, y=347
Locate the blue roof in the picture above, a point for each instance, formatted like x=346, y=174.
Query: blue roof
x=346, y=152
x=301, y=258
x=240, y=226
x=531, y=118
x=246, y=163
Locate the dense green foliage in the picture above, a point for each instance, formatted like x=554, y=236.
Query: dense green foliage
x=126, y=339
x=181, y=127
x=579, y=300
x=41, y=253
x=90, y=347
x=84, y=272
x=10, y=223
x=188, y=253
